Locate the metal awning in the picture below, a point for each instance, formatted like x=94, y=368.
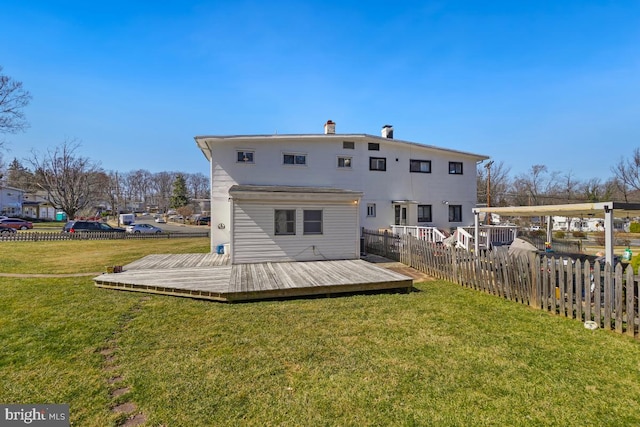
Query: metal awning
x=606, y=210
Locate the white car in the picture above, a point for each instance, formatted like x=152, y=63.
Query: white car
x=160, y=220
x=143, y=228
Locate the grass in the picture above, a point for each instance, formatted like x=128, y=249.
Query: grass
x=73, y=256
x=442, y=356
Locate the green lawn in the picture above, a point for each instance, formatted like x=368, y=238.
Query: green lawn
x=442, y=356
x=80, y=256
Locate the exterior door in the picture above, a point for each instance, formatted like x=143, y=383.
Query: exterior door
x=400, y=214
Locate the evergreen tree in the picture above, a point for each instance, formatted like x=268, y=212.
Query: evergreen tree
x=19, y=176
x=179, y=195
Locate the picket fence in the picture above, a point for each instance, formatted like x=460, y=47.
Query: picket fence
x=38, y=236
x=569, y=287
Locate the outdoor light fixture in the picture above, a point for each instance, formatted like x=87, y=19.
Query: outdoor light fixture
x=445, y=202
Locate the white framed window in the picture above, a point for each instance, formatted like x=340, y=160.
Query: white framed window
x=344, y=162
x=244, y=156
x=371, y=209
x=373, y=146
x=298, y=159
x=285, y=222
x=312, y=221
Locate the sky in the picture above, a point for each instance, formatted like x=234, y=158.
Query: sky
x=540, y=82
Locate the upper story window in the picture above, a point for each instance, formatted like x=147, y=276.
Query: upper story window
x=294, y=159
x=312, y=221
x=374, y=146
x=244, y=156
x=344, y=162
x=423, y=166
x=455, y=213
x=424, y=213
x=455, y=168
x=377, y=163
x=348, y=145
x=285, y=222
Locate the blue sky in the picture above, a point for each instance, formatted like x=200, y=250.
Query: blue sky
x=525, y=82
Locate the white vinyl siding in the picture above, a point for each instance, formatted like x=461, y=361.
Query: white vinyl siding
x=254, y=239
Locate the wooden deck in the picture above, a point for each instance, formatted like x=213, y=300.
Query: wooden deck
x=209, y=276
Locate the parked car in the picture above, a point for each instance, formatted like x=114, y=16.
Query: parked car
x=17, y=223
x=90, y=226
x=143, y=228
x=5, y=231
x=205, y=220
x=161, y=220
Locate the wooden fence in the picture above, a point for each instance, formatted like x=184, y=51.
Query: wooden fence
x=573, y=288
x=37, y=236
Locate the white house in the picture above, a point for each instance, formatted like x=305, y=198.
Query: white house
x=401, y=182
x=11, y=201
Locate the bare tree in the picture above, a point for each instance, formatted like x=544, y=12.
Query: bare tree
x=13, y=99
x=627, y=173
x=536, y=187
x=499, y=184
x=593, y=190
x=163, y=184
x=198, y=185
x=71, y=181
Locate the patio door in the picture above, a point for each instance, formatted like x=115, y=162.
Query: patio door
x=400, y=215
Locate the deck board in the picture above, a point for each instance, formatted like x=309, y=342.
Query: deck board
x=210, y=276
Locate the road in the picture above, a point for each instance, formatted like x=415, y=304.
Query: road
x=171, y=227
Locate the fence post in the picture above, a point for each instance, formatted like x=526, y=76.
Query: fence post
x=385, y=244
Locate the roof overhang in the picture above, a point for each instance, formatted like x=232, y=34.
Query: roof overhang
x=293, y=193
x=206, y=142
x=592, y=210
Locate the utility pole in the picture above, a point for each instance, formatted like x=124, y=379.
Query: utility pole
x=488, y=167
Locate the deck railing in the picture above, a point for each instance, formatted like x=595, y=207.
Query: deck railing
x=490, y=236
x=429, y=234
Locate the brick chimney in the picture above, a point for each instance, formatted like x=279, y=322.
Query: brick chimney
x=329, y=128
x=387, y=131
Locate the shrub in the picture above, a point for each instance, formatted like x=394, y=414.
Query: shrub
x=579, y=234
x=634, y=227
x=559, y=235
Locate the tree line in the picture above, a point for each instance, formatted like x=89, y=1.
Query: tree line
x=539, y=186
x=77, y=185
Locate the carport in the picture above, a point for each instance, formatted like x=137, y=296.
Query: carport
x=606, y=210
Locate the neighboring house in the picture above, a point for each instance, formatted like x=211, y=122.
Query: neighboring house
x=563, y=223
x=37, y=205
x=401, y=182
x=11, y=201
